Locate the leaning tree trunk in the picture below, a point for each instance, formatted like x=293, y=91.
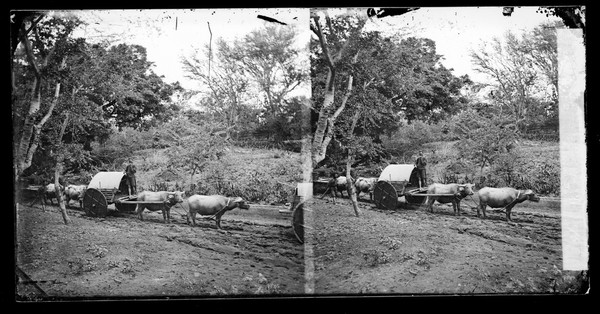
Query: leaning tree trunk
x=57, y=171
x=59, y=194
x=349, y=160
x=350, y=184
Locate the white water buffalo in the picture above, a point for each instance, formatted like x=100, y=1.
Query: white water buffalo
x=212, y=205
x=458, y=192
x=74, y=192
x=50, y=193
x=366, y=185
x=168, y=199
x=503, y=197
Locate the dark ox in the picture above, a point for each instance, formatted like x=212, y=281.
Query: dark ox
x=50, y=193
x=74, y=192
x=212, y=205
x=167, y=199
x=457, y=191
x=365, y=185
x=503, y=197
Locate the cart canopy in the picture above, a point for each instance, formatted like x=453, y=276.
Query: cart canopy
x=396, y=173
x=108, y=180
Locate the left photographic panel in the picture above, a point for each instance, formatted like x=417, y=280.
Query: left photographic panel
x=159, y=153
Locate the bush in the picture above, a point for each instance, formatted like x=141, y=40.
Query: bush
x=409, y=139
x=255, y=186
x=521, y=170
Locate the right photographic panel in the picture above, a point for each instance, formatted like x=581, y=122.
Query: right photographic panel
x=448, y=151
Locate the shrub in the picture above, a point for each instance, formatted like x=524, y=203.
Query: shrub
x=409, y=139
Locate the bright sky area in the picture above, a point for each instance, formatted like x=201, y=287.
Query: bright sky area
x=169, y=34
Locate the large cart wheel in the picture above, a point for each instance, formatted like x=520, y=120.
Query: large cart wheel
x=298, y=222
x=94, y=203
x=385, y=195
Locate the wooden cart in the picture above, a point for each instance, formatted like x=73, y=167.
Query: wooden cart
x=396, y=181
x=107, y=188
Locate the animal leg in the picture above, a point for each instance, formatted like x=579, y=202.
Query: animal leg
x=193, y=214
x=165, y=216
x=218, y=220
x=508, y=214
x=139, y=209
x=430, y=202
x=333, y=194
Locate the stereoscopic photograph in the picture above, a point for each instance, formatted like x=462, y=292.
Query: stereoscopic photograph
x=438, y=152
x=158, y=152
x=286, y=153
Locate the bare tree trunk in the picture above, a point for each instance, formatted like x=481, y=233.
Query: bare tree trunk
x=30, y=130
x=349, y=160
x=59, y=194
x=326, y=120
x=318, y=147
x=57, y=171
x=350, y=184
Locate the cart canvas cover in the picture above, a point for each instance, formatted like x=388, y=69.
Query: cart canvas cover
x=396, y=173
x=106, y=180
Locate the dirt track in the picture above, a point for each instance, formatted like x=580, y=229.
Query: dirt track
x=410, y=251
x=121, y=256
x=407, y=251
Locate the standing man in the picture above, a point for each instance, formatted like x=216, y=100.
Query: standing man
x=420, y=165
x=130, y=173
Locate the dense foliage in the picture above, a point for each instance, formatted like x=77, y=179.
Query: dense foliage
x=90, y=89
x=385, y=79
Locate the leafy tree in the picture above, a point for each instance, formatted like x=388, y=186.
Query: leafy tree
x=333, y=45
x=269, y=57
x=485, y=138
x=125, y=87
x=379, y=80
x=250, y=79
x=524, y=73
x=39, y=47
x=75, y=89
x=394, y=80
x=226, y=94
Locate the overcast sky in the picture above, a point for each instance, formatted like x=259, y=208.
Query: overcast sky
x=169, y=34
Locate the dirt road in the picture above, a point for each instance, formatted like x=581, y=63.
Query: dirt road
x=121, y=256
x=410, y=251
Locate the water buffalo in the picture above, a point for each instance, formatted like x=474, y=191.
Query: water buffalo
x=74, y=192
x=212, y=205
x=503, y=197
x=50, y=193
x=458, y=191
x=339, y=185
x=168, y=199
x=366, y=185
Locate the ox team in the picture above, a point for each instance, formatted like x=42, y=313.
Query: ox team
x=505, y=197
x=213, y=205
